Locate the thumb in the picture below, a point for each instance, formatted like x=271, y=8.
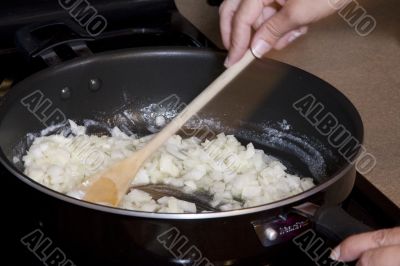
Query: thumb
x=354, y=246
x=271, y=31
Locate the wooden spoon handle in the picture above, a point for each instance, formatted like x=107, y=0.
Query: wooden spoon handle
x=198, y=103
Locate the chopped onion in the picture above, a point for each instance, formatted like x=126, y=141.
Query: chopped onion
x=236, y=176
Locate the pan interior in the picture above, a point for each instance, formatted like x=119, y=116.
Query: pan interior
x=135, y=87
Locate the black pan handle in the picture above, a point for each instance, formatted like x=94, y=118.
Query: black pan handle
x=331, y=221
x=337, y=224
x=53, y=42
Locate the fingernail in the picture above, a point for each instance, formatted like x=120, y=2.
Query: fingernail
x=296, y=34
x=335, y=254
x=226, y=63
x=260, y=48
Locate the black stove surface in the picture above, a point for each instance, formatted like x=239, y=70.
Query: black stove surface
x=24, y=215
x=22, y=212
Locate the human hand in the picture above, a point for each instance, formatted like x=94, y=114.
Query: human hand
x=378, y=248
x=274, y=28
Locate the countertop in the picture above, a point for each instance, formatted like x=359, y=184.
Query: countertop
x=366, y=69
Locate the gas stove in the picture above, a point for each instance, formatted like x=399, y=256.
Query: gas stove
x=130, y=24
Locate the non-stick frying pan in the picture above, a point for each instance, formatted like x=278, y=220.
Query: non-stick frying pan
x=265, y=109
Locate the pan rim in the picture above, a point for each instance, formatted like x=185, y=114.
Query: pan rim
x=173, y=216
x=290, y=201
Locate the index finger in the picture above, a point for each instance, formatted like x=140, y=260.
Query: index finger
x=227, y=11
x=246, y=15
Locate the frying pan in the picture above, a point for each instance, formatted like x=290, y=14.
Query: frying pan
x=261, y=109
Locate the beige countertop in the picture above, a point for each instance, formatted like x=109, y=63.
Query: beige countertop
x=366, y=69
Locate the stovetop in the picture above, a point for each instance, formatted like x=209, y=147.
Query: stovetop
x=20, y=214
x=158, y=23
x=22, y=217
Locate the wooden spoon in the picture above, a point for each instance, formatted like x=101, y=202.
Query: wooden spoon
x=110, y=186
